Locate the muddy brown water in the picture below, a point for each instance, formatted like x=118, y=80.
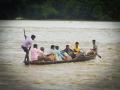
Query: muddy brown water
x=96, y=74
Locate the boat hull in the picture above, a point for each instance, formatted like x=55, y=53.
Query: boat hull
x=78, y=59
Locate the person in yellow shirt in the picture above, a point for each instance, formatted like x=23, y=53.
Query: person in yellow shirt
x=76, y=49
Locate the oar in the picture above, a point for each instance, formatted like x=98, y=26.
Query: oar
x=24, y=34
x=98, y=55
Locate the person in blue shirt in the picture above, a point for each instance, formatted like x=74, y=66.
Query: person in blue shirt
x=58, y=54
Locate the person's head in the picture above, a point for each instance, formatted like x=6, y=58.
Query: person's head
x=52, y=47
x=76, y=44
x=57, y=47
x=35, y=46
x=33, y=37
x=42, y=49
x=93, y=41
x=67, y=47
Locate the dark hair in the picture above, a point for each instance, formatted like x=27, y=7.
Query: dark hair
x=76, y=42
x=67, y=45
x=35, y=45
x=33, y=37
x=42, y=48
x=52, y=46
x=57, y=47
x=93, y=41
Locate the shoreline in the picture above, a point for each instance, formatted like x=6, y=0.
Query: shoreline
x=60, y=24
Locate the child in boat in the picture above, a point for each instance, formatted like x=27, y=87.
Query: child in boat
x=51, y=54
x=34, y=53
x=69, y=51
x=76, y=49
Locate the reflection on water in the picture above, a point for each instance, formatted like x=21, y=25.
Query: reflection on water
x=95, y=74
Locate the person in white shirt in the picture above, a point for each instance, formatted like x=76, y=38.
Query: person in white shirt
x=51, y=54
x=51, y=50
x=26, y=46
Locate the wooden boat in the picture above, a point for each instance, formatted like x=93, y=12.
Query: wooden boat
x=78, y=59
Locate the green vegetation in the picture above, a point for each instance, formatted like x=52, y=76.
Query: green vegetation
x=60, y=9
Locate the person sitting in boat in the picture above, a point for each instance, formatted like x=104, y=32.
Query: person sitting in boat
x=66, y=56
x=76, y=49
x=51, y=54
x=34, y=53
x=58, y=54
x=42, y=49
x=41, y=55
x=93, y=51
x=69, y=51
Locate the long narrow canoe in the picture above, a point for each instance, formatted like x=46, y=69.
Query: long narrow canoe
x=78, y=59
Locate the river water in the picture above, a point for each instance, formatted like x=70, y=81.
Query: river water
x=96, y=74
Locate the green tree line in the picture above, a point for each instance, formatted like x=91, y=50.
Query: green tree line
x=60, y=9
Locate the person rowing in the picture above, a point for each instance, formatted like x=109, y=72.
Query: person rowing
x=94, y=50
x=26, y=46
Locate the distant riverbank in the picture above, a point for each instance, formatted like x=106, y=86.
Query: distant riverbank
x=60, y=24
